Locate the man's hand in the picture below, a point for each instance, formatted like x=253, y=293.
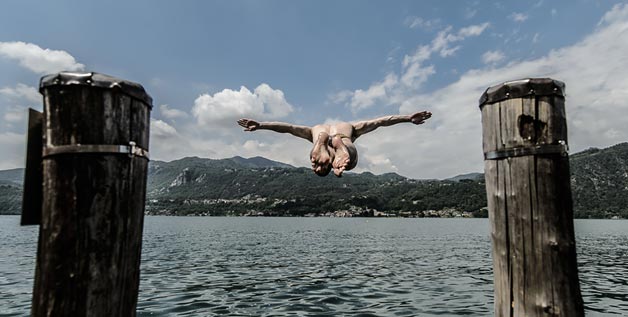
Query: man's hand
x=248, y=124
x=420, y=117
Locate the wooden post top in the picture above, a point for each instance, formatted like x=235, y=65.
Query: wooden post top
x=521, y=88
x=93, y=79
x=524, y=117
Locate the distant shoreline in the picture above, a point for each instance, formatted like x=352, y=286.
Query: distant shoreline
x=362, y=217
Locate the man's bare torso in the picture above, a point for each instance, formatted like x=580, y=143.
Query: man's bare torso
x=342, y=129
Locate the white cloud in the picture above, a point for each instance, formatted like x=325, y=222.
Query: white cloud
x=332, y=120
x=421, y=54
x=618, y=14
x=15, y=115
x=441, y=43
x=470, y=13
x=274, y=101
x=22, y=92
x=535, y=38
x=449, y=51
x=285, y=149
x=161, y=130
x=414, y=72
x=167, y=143
x=472, y=30
x=39, y=60
x=13, y=147
x=391, y=57
x=376, y=163
x=340, y=97
x=170, y=113
x=377, y=92
x=225, y=107
x=492, y=57
x=518, y=17
x=593, y=69
x=414, y=22
x=415, y=75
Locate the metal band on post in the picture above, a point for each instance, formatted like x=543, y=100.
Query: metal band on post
x=545, y=149
x=131, y=149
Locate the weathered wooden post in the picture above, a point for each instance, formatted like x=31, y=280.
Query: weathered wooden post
x=529, y=199
x=95, y=163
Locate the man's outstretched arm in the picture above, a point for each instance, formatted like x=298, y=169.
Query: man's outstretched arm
x=281, y=127
x=367, y=126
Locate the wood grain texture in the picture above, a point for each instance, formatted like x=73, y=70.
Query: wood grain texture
x=93, y=205
x=530, y=209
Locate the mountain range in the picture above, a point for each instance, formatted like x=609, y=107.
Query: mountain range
x=258, y=186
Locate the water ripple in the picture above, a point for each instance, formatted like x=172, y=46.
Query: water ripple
x=324, y=267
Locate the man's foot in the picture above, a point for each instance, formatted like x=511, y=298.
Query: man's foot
x=342, y=157
x=320, y=155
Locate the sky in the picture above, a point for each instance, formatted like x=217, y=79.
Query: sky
x=208, y=63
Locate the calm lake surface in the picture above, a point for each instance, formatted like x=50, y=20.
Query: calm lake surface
x=194, y=266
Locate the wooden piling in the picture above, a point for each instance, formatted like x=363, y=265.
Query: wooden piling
x=529, y=199
x=95, y=163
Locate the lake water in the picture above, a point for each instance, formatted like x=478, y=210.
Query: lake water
x=194, y=266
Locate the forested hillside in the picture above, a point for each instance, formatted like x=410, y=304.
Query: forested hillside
x=258, y=186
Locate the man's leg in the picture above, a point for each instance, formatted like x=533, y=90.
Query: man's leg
x=320, y=155
x=345, y=157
